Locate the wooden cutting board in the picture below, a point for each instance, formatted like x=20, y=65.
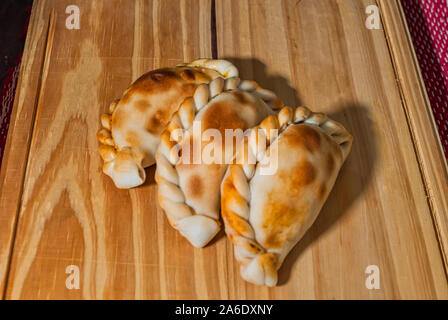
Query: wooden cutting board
x=389, y=206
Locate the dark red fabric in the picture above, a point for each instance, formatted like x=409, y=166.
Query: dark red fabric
x=14, y=16
x=7, y=99
x=428, y=25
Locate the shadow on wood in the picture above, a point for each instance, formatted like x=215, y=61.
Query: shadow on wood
x=254, y=69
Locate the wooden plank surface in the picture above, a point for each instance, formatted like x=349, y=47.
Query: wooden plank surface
x=313, y=52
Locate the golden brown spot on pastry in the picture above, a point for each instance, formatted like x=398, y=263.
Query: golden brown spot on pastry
x=279, y=215
x=195, y=186
x=156, y=81
x=303, y=135
x=163, y=80
x=187, y=75
x=304, y=173
x=132, y=138
x=142, y=105
x=157, y=122
x=297, y=177
x=221, y=115
x=281, y=212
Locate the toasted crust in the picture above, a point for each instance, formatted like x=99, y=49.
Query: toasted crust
x=265, y=222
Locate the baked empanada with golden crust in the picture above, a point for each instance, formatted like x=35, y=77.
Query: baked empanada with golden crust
x=265, y=215
x=188, y=189
x=131, y=130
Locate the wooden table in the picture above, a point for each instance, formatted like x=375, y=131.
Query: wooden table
x=389, y=207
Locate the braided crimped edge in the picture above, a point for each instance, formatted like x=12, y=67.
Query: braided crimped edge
x=258, y=265
x=197, y=228
x=113, y=157
x=228, y=70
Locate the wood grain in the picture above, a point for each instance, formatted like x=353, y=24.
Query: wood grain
x=313, y=52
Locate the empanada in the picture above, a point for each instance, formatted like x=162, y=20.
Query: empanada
x=188, y=189
x=265, y=215
x=131, y=130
